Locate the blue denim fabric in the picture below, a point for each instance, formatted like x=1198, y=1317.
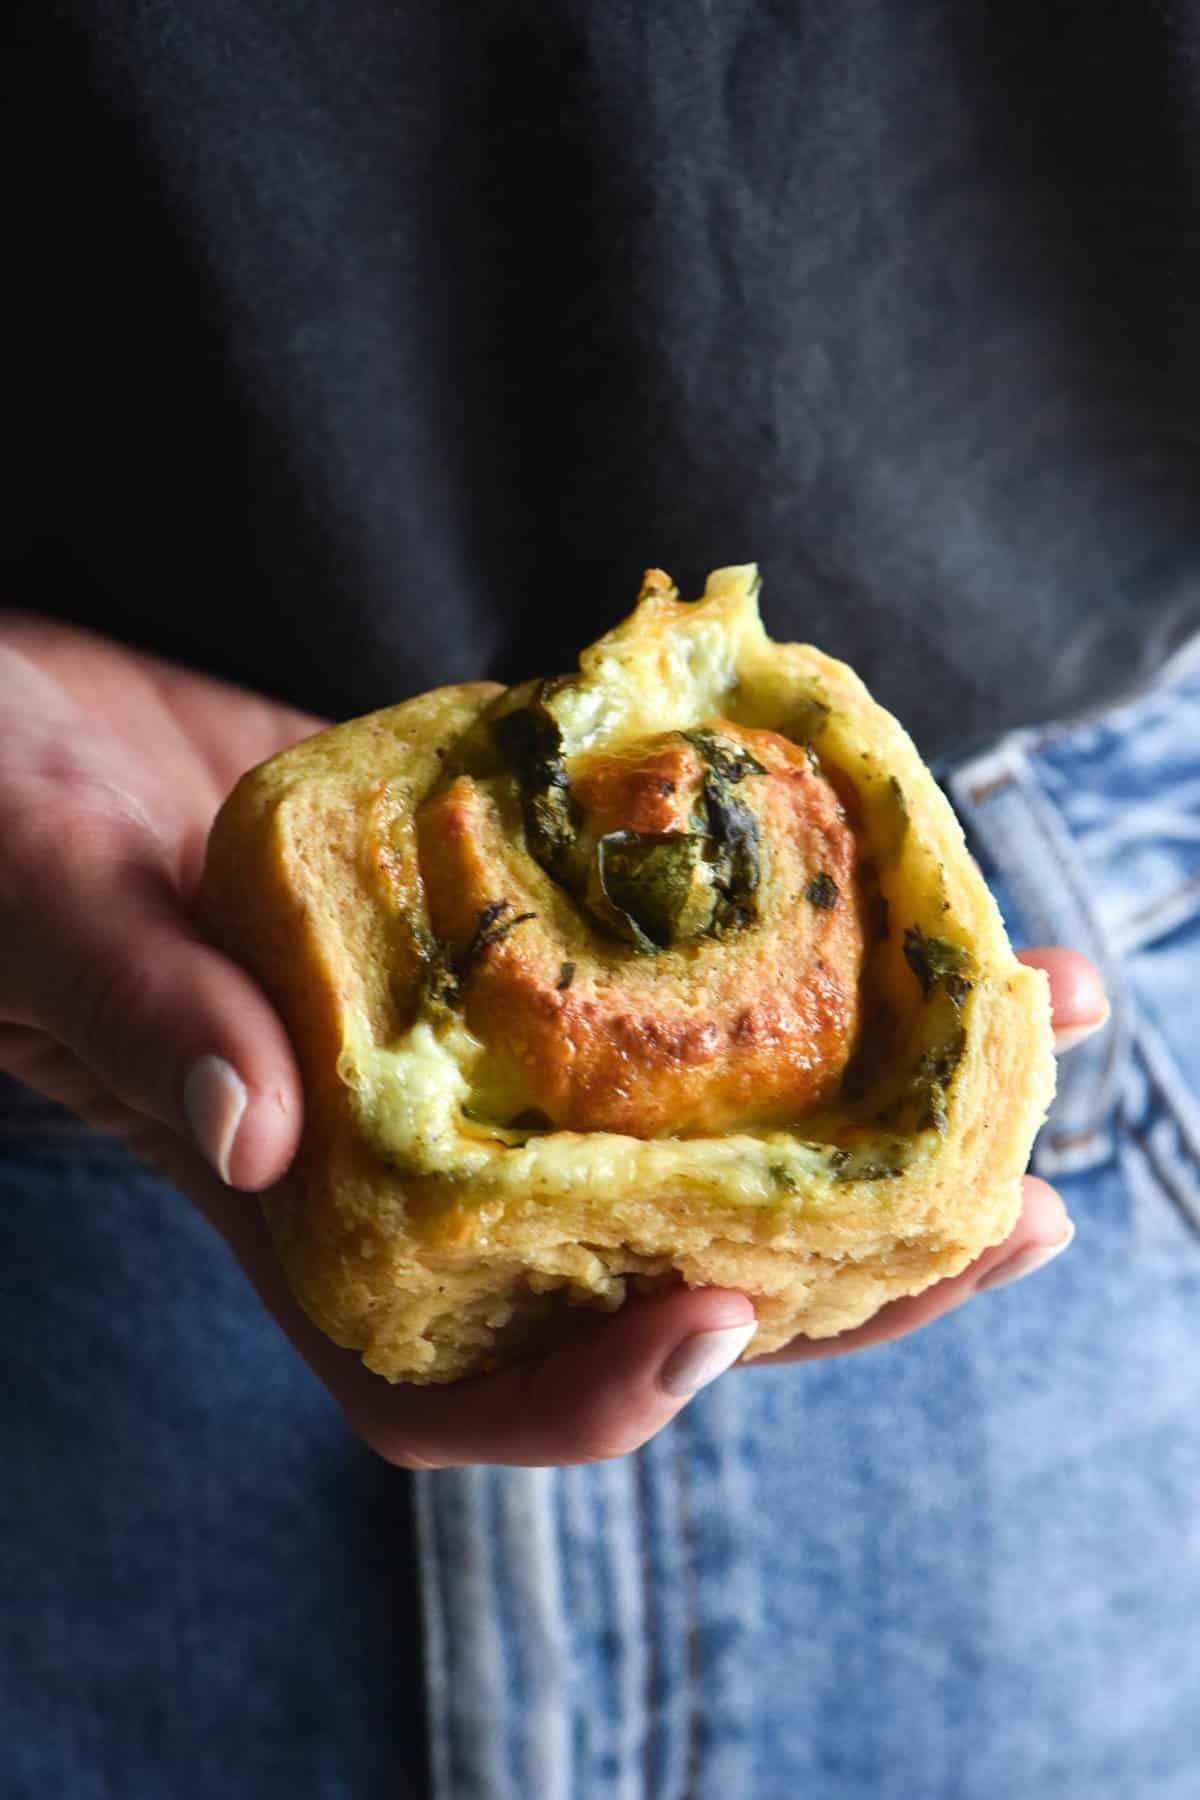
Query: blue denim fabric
x=199, y=1589
x=964, y=1567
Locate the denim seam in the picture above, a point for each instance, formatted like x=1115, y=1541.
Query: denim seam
x=694, y=1643
x=1165, y=914
x=650, y=1700
x=434, y=1637
x=1006, y=770
x=1165, y=1175
x=1171, y=1096
x=1094, y=1113
x=1169, y=1085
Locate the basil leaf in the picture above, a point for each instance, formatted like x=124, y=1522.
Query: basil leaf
x=933, y=960
x=728, y=762
x=732, y=827
x=529, y=737
x=658, y=883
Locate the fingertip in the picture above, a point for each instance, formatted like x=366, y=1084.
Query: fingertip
x=267, y=1137
x=700, y=1358
x=214, y=1102
x=1044, y=1230
x=1026, y=1262
x=607, y=1397
x=246, y=1136
x=1078, y=999
x=1043, y=1213
x=241, y=1095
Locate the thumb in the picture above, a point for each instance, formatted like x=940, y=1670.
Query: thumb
x=615, y=1382
x=107, y=962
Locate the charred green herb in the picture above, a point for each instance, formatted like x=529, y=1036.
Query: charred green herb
x=728, y=762
x=651, y=888
x=446, y=976
x=733, y=828
x=528, y=735
x=822, y=891
x=934, y=959
x=442, y=985
x=566, y=976
x=863, y=1165
x=658, y=884
x=931, y=1082
x=492, y=927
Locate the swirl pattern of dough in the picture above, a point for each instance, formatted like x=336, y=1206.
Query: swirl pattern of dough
x=677, y=968
x=751, y=1027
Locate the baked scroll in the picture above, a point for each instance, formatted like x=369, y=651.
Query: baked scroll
x=674, y=969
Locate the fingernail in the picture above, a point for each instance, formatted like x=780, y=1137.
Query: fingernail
x=1068, y=1036
x=700, y=1359
x=1026, y=1262
x=214, y=1099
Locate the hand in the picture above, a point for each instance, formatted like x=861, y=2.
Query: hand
x=112, y=765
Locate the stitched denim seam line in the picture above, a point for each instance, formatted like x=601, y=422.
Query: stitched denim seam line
x=692, y=1665
x=1096, y=1111
x=1158, y=915
x=1008, y=772
x=1167, y=1085
x=434, y=1637
x=1167, y=1178
x=649, y=1751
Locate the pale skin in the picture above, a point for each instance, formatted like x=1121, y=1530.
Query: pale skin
x=112, y=765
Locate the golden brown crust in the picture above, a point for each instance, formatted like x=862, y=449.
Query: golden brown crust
x=761, y=1030
x=313, y=881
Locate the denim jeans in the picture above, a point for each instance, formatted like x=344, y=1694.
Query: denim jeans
x=961, y=1567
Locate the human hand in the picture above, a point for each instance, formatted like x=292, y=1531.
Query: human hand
x=112, y=765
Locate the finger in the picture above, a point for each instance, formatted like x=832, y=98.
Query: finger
x=615, y=1382
x=106, y=961
x=1041, y=1233
x=1078, y=1001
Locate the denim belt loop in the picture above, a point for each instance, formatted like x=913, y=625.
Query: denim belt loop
x=1016, y=826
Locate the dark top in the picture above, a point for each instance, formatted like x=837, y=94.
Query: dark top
x=369, y=345
x=357, y=345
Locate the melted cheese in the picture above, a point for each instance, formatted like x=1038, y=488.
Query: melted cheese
x=412, y=1105
x=690, y=663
